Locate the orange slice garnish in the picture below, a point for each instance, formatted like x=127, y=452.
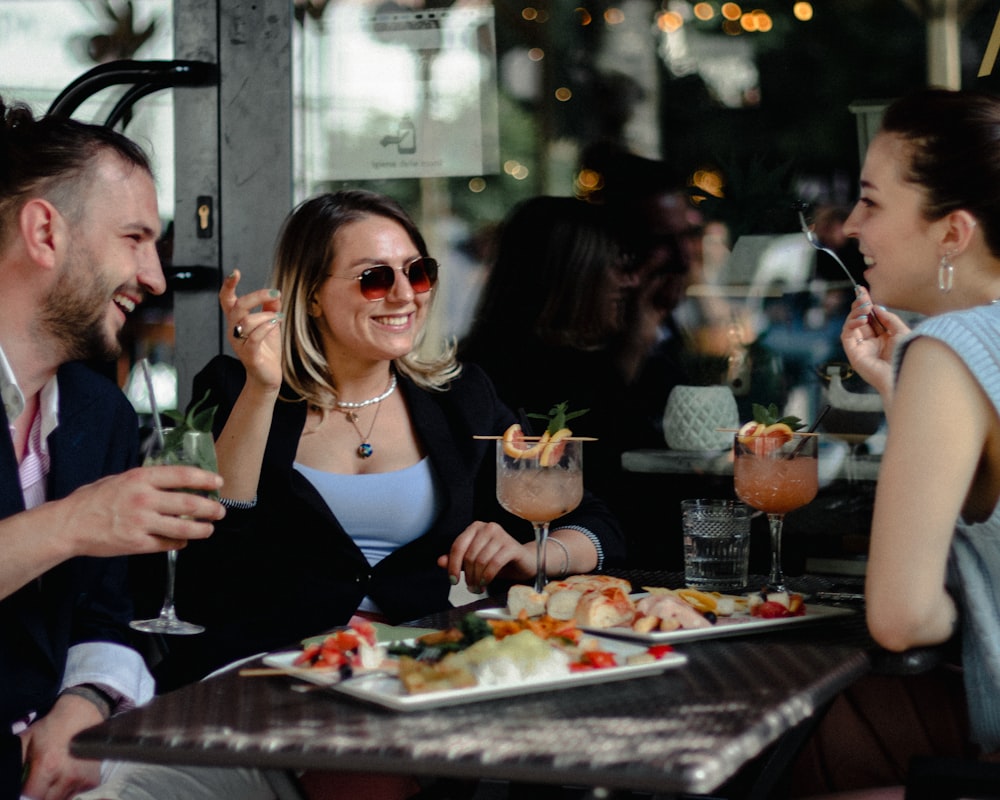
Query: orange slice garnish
x=771, y=438
x=516, y=445
x=553, y=449
x=749, y=431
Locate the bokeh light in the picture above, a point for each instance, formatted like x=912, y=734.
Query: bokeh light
x=704, y=11
x=669, y=21
x=614, y=16
x=731, y=11
x=516, y=169
x=709, y=181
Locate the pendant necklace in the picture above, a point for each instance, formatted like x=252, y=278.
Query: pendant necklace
x=365, y=449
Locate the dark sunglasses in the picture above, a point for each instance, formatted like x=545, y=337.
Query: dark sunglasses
x=377, y=280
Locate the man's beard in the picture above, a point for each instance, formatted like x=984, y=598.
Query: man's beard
x=75, y=314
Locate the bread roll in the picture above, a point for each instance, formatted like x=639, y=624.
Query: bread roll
x=525, y=598
x=597, y=583
x=604, y=609
x=562, y=603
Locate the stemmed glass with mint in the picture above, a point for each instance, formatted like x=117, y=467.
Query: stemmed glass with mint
x=189, y=443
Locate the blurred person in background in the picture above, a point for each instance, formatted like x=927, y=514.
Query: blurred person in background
x=549, y=325
x=646, y=201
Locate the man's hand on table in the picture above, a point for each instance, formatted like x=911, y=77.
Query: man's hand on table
x=52, y=774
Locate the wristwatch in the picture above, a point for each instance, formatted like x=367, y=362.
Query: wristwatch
x=96, y=695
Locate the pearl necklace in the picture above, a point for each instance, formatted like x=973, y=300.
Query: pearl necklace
x=371, y=400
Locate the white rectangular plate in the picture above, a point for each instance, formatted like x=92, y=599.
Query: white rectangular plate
x=726, y=626
x=387, y=691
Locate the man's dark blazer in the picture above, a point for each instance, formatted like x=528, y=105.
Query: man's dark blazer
x=82, y=599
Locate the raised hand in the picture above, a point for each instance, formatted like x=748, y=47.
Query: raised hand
x=254, y=330
x=869, y=342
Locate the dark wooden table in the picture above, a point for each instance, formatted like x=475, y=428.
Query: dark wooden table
x=689, y=729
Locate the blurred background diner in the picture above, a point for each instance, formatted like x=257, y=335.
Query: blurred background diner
x=725, y=119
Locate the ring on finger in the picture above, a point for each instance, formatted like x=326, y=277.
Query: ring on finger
x=860, y=340
x=238, y=332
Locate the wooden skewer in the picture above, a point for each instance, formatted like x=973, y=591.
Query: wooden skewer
x=538, y=438
x=797, y=433
x=261, y=672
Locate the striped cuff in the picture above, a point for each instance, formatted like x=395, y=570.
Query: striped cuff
x=594, y=539
x=239, y=505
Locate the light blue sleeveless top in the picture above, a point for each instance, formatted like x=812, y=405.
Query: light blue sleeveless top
x=974, y=563
x=380, y=511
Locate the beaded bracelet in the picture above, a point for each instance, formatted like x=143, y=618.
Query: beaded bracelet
x=565, y=569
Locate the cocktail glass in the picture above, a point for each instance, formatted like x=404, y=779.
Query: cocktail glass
x=195, y=448
x=540, y=484
x=776, y=478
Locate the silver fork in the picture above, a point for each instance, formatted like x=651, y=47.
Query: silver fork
x=813, y=239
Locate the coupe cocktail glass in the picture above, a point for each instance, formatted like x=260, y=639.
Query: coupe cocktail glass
x=540, y=484
x=776, y=478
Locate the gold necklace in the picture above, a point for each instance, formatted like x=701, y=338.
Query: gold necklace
x=365, y=449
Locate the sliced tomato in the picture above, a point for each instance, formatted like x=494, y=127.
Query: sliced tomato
x=331, y=650
x=347, y=640
x=599, y=659
x=365, y=630
x=658, y=651
x=307, y=656
x=770, y=610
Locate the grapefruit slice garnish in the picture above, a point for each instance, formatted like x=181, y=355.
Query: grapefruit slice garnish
x=517, y=445
x=553, y=449
x=772, y=438
x=750, y=431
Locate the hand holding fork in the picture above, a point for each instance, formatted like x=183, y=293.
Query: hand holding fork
x=813, y=239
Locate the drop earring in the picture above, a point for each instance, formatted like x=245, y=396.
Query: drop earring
x=946, y=274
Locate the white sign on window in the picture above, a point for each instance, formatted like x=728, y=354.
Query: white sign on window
x=404, y=95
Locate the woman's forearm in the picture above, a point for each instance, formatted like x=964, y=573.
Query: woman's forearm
x=240, y=447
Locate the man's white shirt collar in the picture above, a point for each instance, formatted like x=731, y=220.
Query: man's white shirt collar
x=13, y=399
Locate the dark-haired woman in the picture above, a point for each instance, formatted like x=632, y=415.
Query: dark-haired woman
x=928, y=226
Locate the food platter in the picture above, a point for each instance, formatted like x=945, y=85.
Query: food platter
x=736, y=625
x=386, y=690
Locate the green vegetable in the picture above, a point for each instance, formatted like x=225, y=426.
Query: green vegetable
x=471, y=626
x=474, y=628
